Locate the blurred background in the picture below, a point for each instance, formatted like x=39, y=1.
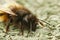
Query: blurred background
x=47, y=10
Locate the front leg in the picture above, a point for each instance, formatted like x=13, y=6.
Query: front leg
x=30, y=27
x=21, y=27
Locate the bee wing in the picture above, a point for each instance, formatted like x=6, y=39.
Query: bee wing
x=7, y=10
x=8, y=6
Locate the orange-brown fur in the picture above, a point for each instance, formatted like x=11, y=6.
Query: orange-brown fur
x=3, y=16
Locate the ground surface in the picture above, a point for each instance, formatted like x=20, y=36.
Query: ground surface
x=48, y=10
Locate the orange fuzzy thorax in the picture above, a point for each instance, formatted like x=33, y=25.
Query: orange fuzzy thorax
x=3, y=17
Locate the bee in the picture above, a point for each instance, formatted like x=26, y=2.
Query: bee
x=20, y=17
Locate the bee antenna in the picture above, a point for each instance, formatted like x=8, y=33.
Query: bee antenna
x=47, y=23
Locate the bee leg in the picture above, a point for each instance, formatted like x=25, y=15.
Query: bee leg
x=30, y=27
x=7, y=26
x=34, y=27
x=22, y=28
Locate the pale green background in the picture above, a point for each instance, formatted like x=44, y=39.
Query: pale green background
x=48, y=10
